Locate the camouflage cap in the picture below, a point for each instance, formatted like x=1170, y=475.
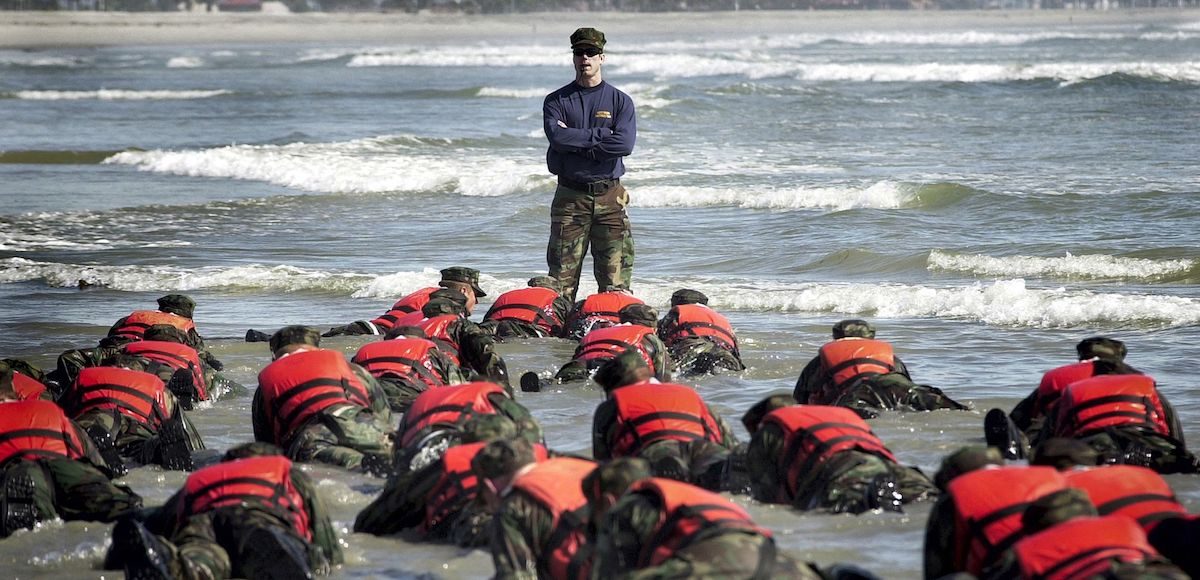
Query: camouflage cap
x=1101, y=347
x=543, y=282
x=177, y=304
x=165, y=333
x=252, y=449
x=502, y=457
x=444, y=305
x=1062, y=453
x=687, y=296
x=966, y=460
x=464, y=275
x=853, y=327
x=294, y=334
x=624, y=369
x=614, y=477
x=1055, y=508
x=639, y=314
x=488, y=427
x=587, y=37
x=777, y=400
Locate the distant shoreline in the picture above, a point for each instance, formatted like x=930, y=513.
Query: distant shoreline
x=44, y=30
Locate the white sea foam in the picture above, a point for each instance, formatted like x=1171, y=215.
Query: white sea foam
x=28, y=241
x=164, y=278
x=512, y=93
x=882, y=195
x=463, y=56
x=375, y=165
x=1095, y=266
x=185, y=62
x=117, y=95
x=37, y=60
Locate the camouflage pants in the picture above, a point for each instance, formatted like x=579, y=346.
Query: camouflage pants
x=213, y=545
x=701, y=463
x=727, y=556
x=1134, y=446
x=579, y=219
x=71, y=490
x=698, y=356
x=341, y=437
x=856, y=481
x=892, y=391
x=400, y=392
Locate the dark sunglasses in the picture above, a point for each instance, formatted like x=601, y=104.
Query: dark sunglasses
x=588, y=52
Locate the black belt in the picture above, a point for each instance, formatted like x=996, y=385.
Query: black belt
x=591, y=187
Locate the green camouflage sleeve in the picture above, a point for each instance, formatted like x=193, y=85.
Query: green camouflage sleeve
x=258, y=419
x=379, y=404
x=626, y=528
x=939, y=539
x=602, y=425
x=477, y=350
x=728, y=437
x=519, y=531
x=810, y=382
x=762, y=462
x=324, y=536
x=527, y=426
x=401, y=504
x=659, y=356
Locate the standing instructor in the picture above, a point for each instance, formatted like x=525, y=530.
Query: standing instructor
x=591, y=126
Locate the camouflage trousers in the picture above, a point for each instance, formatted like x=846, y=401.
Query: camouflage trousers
x=579, y=219
x=728, y=556
x=700, y=463
x=214, y=544
x=855, y=482
x=699, y=356
x=1134, y=446
x=892, y=391
x=341, y=436
x=67, y=489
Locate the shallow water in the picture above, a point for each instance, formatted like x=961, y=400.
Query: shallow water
x=987, y=197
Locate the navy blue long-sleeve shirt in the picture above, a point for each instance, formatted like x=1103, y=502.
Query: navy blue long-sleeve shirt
x=601, y=129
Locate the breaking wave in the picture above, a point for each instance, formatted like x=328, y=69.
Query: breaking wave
x=115, y=95
x=1083, y=267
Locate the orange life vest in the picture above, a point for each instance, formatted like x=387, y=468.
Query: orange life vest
x=989, y=503
x=300, y=385
x=1128, y=490
x=135, y=394
x=438, y=330
x=458, y=485
x=700, y=321
x=1054, y=381
x=264, y=480
x=175, y=355
x=27, y=387
x=32, y=429
x=687, y=512
x=532, y=305
x=406, y=358
x=649, y=412
x=415, y=301
x=849, y=359
x=603, y=306
x=813, y=434
x=448, y=406
x=602, y=344
x=138, y=321
x=1082, y=548
x=556, y=484
x=1110, y=401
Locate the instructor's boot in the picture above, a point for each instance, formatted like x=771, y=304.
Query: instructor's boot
x=1001, y=433
x=143, y=555
x=274, y=554
x=19, y=511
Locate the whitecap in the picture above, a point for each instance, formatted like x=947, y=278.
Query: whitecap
x=881, y=195
x=118, y=95
x=1093, y=266
x=185, y=62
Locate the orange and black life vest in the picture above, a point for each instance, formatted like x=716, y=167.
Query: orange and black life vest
x=135, y=394
x=606, y=343
x=815, y=433
x=1128, y=490
x=556, y=484
x=603, y=306
x=27, y=387
x=415, y=301
x=405, y=357
x=1054, y=381
x=688, y=512
x=989, y=503
x=532, y=305
x=1110, y=401
x=848, y=359
x=649, y=412
x=458, y=485
x=699, y=321
x=299, y=385
x=175, y=355
x=138, y=321
x=1083, y=547
x=448, y=406
x=263, y=480
x=33, y=429
x=437, y=329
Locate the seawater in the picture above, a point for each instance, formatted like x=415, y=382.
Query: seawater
x=986, y=195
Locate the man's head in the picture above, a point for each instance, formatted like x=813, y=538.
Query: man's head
x=405, y=331
x=638, y=314
x=544, y=282
x=252, y=449
x=777, y=400
x=165, y=333
x=626, y=368
x=488, y=428
x=587, y=46
x=177, y=304
x=1062, y=453
x=289, y=338
x=853, y=328
x=608, y=482
x=965, y=460
x=1100, y=347
x=498, y=464
x=1055, y=508
x=465, y=280
x=686, y=296
x=126, y=361
x=446, y=301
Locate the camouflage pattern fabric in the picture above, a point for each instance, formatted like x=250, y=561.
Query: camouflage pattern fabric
x=519, y=533
x=67, y=489
x=892, y=392
x=699, y=356
x=576, y=370
x=579, y=220
x=400, y=392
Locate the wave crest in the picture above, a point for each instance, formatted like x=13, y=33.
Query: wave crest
x=1084, y=267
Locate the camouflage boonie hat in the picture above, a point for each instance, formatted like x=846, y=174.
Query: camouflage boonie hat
x=777, y=400
x=1056, y=508
x=639, y=314
x=687, y=296
x=966, y=460
x=620, y=370
x=488, y=427
x=853, y=327
x=177, y=304
x=165, y=333
x=614, y=477
x=502, y=457
x=463, y=275
x=294, y=334
x=543, y=282
x=584, y=37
